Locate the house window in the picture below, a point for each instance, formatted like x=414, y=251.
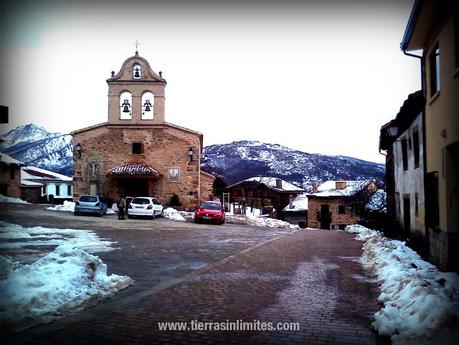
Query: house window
x=12, y=172
x=341, y=209
x=137, y=148
x=43, y=190
x=405, y=154
x=69, y=190
x=434, y=60
x=416, y=204
x=58, y=190
x=456, y=32
x=3, y=189
x=416, y=147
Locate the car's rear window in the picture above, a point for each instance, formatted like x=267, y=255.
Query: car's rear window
x=140, y=201
x=87, y=198
x=211, y=206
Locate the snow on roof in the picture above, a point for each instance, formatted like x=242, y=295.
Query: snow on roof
x=271, y=183
x=328, y=188
x=4, y=158
x=300, y=203
x=133, y=168
x=32, y=173
x=377, y=202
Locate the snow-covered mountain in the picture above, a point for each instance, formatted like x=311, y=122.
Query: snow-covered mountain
x=233, y=162
x=244, y=159
x=34, y=145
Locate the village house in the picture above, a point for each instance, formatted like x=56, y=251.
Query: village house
x=296, y=212
x=137, y=152
x=10, y=176
x=433, y=29
x=402, y=141
x=265, y=193
x=335, y=204
x=40, y=185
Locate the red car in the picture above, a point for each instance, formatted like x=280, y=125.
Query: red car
x=211, y=211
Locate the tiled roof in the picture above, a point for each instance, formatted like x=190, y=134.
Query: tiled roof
x=133, y=168
x=328, y=188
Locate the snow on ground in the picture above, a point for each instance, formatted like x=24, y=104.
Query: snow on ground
x=15, y=236
x=8, y=199
x=69, y=206
x=172, y=213
x=420, y=303
x=61, y=283
x=259, y=221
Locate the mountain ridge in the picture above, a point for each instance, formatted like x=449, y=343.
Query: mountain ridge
x=233, y=162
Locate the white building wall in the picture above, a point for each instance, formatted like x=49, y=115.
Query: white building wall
x=63, y=189
x=410, y=182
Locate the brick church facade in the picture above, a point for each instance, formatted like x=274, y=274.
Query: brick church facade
x=137, y=153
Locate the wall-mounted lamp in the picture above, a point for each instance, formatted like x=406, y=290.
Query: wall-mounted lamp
x=78, y=149
x=392, y=131
x=190, y=153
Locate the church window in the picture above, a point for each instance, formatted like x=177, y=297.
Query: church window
x=148, y=102
x=126, y=106
x=136, y=71
x=137, y=148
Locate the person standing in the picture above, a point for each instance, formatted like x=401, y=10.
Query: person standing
x=121, y=207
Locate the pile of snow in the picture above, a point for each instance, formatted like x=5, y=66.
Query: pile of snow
x=8, y=199
x=39, y=236
x=420, y=303
x=172, y=213
x=377, y=202
x=63, y=282
x=68, y=206
x=259, y=221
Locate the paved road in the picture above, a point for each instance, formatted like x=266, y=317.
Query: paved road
x=187, y=272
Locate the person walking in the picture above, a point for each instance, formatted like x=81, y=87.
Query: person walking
x=121, y=207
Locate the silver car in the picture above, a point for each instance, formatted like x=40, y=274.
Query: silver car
x=145, y=206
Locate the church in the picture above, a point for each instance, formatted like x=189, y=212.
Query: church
x=136, y=152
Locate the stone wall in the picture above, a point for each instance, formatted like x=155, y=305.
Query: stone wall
x=314, y=204
x=12, y=184
x=106, y=147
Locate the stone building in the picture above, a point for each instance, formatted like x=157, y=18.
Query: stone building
x=137, y=152
x=432, y=36
x=335, y=204
x=10, y=176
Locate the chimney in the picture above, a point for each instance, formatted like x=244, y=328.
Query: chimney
x=340, y=184
x=290, y=202
x=278, y=183
x=315, y=187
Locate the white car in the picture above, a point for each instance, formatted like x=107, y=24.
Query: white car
x=145, y=206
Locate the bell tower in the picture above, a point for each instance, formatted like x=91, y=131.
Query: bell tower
x=136, y=94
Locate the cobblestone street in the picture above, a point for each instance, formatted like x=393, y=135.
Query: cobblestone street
x=217, y=274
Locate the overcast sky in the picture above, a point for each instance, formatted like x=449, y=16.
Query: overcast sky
x=318, y=76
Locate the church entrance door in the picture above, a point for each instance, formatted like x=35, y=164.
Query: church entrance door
x=133, y=187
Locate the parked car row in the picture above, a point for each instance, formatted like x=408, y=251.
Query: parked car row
x=139, y=206
x=146, y=206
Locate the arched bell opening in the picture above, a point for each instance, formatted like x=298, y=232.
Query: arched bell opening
x=126, y=106
x=148, y=103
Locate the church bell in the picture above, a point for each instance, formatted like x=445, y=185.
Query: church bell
x=136, y=73
x=125, y=106
x=147, y=105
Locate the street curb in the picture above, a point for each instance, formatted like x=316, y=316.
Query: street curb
x=44, y=329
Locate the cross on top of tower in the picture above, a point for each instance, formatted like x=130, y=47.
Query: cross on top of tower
x=137, y=44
